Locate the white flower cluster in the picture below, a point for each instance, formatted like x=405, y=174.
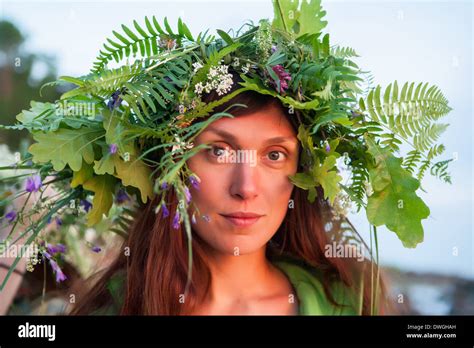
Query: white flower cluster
x=197, y=66
x=218, y=79
x=181, y=145
x=245, y=68
x=33, y=259
x=341, y=206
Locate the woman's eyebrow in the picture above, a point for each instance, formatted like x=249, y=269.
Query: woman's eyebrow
x=231, y=137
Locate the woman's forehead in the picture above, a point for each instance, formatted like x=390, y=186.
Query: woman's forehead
x=262, y=124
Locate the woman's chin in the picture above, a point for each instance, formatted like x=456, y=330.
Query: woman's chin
x=240, y=245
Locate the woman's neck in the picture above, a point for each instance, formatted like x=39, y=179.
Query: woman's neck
x=247, y=284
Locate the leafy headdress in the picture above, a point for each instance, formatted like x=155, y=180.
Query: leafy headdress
x=94, y=145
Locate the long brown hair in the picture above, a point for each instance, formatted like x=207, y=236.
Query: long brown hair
x=156, y=263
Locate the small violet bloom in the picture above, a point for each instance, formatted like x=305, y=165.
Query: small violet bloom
x=60, y=276
x=96, y=249
x=166, y=212
x=113, y=149
x=328, y=148
x=176, y=220
x=194, y=182
x=54, y=249
x=121, y=196
x=47, y=255
x=33, y=183
x=86, y=204
x=114, y=101
x=187, y=194
x=11, y=216
x=61, y=247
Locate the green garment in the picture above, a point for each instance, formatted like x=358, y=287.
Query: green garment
x=307, y=282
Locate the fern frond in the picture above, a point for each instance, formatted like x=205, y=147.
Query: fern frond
x=360, y=176
x=410, y=114
x=103, y=84
x=143, y=91
x=408, y=111
x=411, y=161
x=428, y=136
x=123, y=222
x=146, y=42
x=439, y=169
x=343, y=52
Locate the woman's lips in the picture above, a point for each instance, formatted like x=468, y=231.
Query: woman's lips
x=242, y=221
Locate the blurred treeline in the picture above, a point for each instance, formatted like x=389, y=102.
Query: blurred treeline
x=22, y=73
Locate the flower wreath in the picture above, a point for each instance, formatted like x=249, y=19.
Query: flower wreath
x=93, y=143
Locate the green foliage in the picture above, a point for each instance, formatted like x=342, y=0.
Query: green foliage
x=360, y=177
x=65, y=147
x=394, y=202
x=147, y=42
x=439, y=169
x=255, y=85
x=298, y=18
x=343, y=52
x=103, y=187
x=145, y=93
x=318, y=174
x=409, y=115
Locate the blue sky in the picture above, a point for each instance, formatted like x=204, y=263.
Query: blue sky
x=403, y=40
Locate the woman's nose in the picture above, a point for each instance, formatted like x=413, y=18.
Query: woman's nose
x=244, y=181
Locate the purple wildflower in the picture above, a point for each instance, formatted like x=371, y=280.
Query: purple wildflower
x=328, y=148
x=115, y=101
x=194, y=182
x=11, y=216
x=86, y=204
x=176, y=220
x=60, y=276
x=187, y=194
x=283, y=77
x=47, y=255
x=51, y=248
x=274, y=48
x=113, y=149
x=61, y=247
x=121, y=196
x=164, y=185
x=96, y=249
x=166, y=212
x=59, y=222
x=33, y=183
x=54, y=249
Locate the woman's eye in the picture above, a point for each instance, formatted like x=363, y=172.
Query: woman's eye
x=218, y=151
x=276, y=155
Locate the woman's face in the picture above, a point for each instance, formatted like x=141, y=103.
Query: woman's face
x=245, y=171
